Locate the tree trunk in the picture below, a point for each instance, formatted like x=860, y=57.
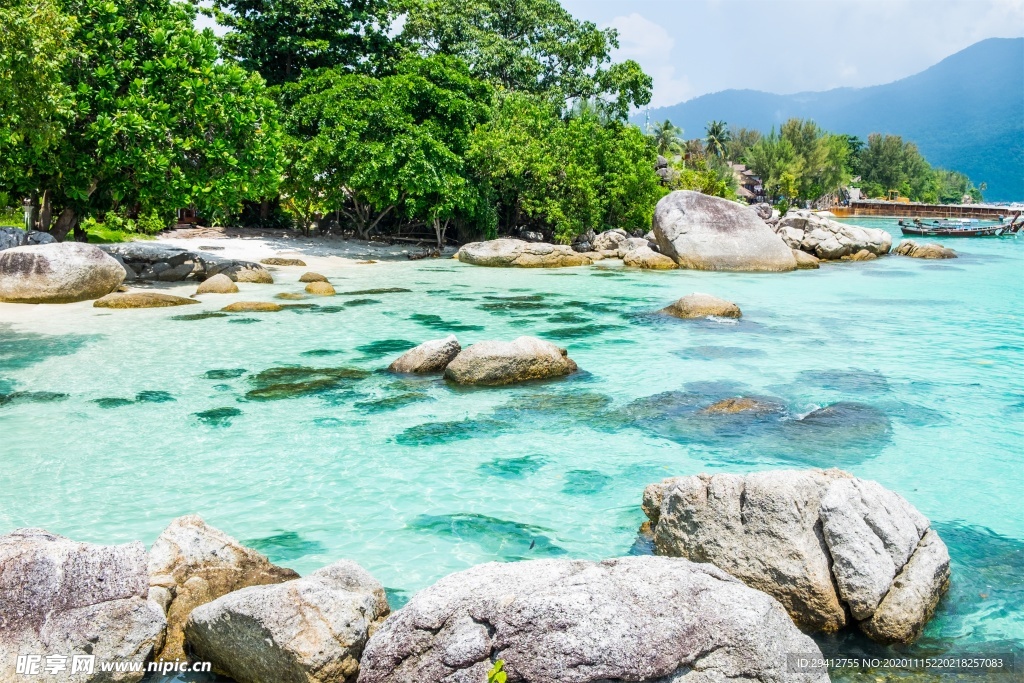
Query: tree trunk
x=66, y=222
x=46, y=211
x=264, y=210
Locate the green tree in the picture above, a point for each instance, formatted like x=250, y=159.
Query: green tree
x=668, y=138
x=703, y=174
x=741, y=139
x=774, y=159
x=716, y=137
x=888, y=164
x=531, y=46
x=281, y=39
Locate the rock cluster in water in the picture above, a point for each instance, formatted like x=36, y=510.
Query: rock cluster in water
x=930, y=250
x=827, y=239
x=833, y=549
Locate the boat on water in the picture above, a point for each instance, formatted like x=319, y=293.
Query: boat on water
x=959, y=227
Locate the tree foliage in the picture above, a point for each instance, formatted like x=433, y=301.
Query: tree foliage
x=716, y=137
x=668, y=138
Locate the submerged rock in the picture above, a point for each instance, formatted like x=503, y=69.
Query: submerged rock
x=62, y=597
x=645, y=257
x=828, y=546
x=192, y=564
x=930, y=250
x=253, y=307
x=563, y=621
x=311, y=629
x=429, y=357
x=320, y=289
x=507, y=253
x=709, y=233
x=699, y=305
x=141, y=300
x=293, y=382
x=742, y=404
x=828, y=239
x=57, y=273
x=492, y=363
x=276, y=261
x=218, y=284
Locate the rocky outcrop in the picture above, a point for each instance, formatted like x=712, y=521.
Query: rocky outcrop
x=57, y=273
x=509, y=253
x=141, y=300
x=831, y=548
x=642, y=619
x=312, y=629
x=16, y=237
x=609, y=240
x=828, y=239
x=634, y=243
x=645, y=257
x=709, y=233
x=253, y=307
x=218, y=284
x=320, y=289
x=930, y=250
x=492, y=363
x=698, y=305
x=429, y=357
x=192, y=564
x=66, y=598
x=805, y=261
x=276, y=261
x=154, y=262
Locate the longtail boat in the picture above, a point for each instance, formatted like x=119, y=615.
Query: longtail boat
x=958, y=229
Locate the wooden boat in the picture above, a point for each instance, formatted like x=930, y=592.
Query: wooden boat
x=957, y=229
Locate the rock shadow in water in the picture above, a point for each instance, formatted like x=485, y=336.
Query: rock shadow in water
x=513, y=468
x=381, y=290
x=229, y=373
x=154, y=397
x=285, y=546
x=433, y=433
x=585, y=482
x=20, y=397
x=436, y=322
x=841, y=435
x=385, y=347
x=19, y=350
x=112, y=402
x=852, y=381
x=500, y=538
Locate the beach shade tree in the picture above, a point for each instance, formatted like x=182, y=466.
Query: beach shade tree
x=775, y=162
x=157, y=121
x=716, y=137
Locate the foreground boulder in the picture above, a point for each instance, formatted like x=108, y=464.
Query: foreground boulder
x=508, y=253
x=218, y=284
x=141, y=300
x=57, y=273
x=709, y=233
x=698, y=305
x=493, y=363
x=828, y=239
x=930, y=250
x=312, y=629
x=642, y=619
x=62, y=597
x=429, y=357
x=833, y=549
x=645, y=257
x=192, y=564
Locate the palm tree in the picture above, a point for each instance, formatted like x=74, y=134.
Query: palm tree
x=667, y=137
x=716, y=137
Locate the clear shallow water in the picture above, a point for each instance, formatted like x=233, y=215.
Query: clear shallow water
x=166, y=414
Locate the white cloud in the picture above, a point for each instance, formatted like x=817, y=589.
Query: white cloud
x=651, y=45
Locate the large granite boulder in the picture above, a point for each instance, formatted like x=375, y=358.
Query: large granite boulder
x=642, y=619
x=16, y=237
x=58, y=273
x=698, y=305
x=828, y=239
x=310, y=630
x=192, y=564
x=833, y=549
x=66, y=598
x=928, y=250
x=154, y=262
x=429, y=357
x=507, y=253
x=493, y=363
x=647, y=258
x=709, y=233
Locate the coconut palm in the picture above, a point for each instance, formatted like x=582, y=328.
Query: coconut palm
x=717, y=136
x=667, y=137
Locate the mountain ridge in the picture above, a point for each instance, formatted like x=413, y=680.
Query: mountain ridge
x=965, y=113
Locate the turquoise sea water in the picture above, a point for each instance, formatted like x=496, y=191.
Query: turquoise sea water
x=116, y=422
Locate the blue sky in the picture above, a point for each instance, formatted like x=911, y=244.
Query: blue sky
x=693, y=47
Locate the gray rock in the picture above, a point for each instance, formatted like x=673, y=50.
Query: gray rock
x=610, y=240
x=930, y=250
x=493, y=363
x=197, y=564
x=764, y=211
x=828, y=239
x=641, y=619
x=710, y=233
x=824, y=543
x=508, y=253
x=310, y=630
x=16, y=237
x=429, y=357
x=57, y=273
x=62, y=597
x=149, y=254
x=176, y=273
x=698, y=305
x=218, y=284
x=645, y=257
x=632, y=243
x=805, y=261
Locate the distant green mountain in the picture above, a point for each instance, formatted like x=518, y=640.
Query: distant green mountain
x=966, y=113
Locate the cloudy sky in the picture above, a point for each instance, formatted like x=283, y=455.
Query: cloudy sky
x=693, y=47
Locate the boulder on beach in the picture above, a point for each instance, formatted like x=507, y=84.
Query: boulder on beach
x=862, y=255
x=573, y=621
x=645, y=257
x=609, y=240
x=311, y=629
x=238, y=271
x=61, y=597
x=429, y=357
x=253, y=307
x=512, y=253
x=58, y=273
x=312, y=277
x=833, y=549
x=192, y=564
x=276, y=261
x=154, y=262
x=698, y=305
x=11, y=237
x=493, y=363
x=805, y=261
x=702, y=232
x=929, y=250
x=141, y=300
x=320, y=289
x=218, y=284
x=828, y=239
